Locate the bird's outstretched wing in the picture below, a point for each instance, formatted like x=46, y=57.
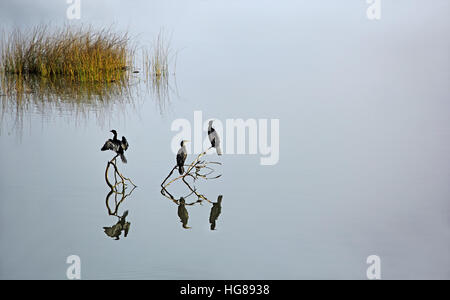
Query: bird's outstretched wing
x=109, y=145
x=124, y=143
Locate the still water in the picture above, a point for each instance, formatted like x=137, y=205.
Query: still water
x=364, y=147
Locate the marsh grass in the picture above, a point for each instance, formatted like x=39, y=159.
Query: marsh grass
x=156, y=65
x=77, y=72
x=79, y=54
x=159, y=56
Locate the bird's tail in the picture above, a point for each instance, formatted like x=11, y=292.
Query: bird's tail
x=123, y=158
x=181, y=170
x=219, y=150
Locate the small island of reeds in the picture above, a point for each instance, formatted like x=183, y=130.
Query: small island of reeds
x=78, y=69
x=78, y=54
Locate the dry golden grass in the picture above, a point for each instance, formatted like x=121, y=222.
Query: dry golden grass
x=77, y=70
x=79, y=54
x=160, y=57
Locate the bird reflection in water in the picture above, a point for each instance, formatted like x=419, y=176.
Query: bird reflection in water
x=183, y=213
x=121, y=225
x=116, y=230
x=216, y=209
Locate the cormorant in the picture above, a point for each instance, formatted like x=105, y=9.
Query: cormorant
x=116, y=145
x=181, y=156
x=214, y=138
x=183, y=213
x=215, y=212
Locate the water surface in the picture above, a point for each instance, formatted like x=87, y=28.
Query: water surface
x=364, y=152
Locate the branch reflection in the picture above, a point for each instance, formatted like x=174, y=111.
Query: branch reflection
x=121, y=225
x=198, y=169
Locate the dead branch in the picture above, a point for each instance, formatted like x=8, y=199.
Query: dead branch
x=194, y=171
x=114, y=187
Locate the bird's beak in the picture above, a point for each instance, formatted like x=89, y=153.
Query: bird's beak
x=186, y=141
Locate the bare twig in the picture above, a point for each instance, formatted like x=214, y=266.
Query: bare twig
x=117, y=174
x=194, y=170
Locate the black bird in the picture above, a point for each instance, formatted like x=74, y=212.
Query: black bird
x=216, y=209
x=214, y=138
x=181, y=156
x=116, y=145
x=183, y=213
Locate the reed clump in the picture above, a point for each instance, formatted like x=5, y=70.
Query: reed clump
x=78, y=54
x=159, y=65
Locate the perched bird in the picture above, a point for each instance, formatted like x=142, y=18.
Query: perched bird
x=116, y=145
x=215, y=212
x=183, y=213
x=214, y=138
x=181, y=156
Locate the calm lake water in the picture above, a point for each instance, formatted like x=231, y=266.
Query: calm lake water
x=364, y=162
